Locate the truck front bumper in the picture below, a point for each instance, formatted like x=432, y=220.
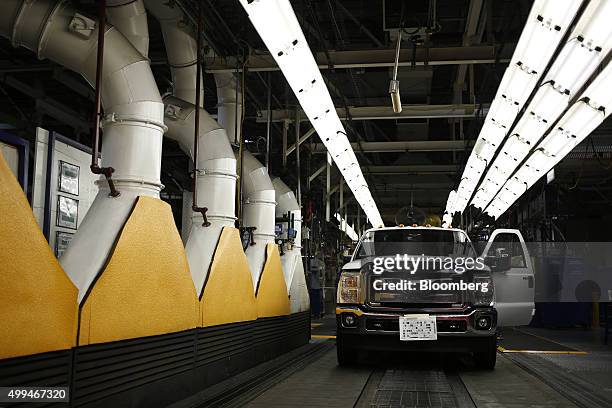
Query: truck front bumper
x=364, y=329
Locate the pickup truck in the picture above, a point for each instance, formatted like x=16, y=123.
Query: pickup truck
x=389, y=300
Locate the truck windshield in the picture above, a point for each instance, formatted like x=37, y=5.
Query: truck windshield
x=429, y=242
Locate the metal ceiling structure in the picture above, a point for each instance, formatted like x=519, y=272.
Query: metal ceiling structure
x=449, y=69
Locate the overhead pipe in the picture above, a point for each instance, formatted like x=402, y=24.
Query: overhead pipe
x=288, y=208
x=95, y=168
x=196, y=136
x=229, y=105
x=181, y=48
x=258, y=210
x=130, y=18
x=133, y=121
x=215, y=180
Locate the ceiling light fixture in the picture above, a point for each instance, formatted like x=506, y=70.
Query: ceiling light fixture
x=546, y=26
x=278, y=27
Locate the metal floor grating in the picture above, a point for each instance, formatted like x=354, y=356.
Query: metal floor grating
x=413, y=388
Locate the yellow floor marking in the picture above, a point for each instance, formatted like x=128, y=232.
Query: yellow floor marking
x=539, y=337
x=321, y=336
x=578, y=353
x=316, y=324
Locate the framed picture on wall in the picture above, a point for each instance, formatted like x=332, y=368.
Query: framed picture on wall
x=62, y=239
x=67, y=212
x=68, y=178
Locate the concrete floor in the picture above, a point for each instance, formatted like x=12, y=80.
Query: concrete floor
x=578, y=356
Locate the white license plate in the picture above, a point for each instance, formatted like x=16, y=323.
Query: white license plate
x=418, y=327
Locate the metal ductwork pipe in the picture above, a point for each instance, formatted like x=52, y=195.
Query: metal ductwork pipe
x=287, y=204
x=133, y=121
x=181, y=48
x=229, y=104
x=216, y=180
x=130, y=18
x=258, y=208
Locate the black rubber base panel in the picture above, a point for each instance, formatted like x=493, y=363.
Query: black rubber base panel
x=159, y=370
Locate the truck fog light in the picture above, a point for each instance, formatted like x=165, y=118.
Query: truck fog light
x=483, y=323
x=349, y=320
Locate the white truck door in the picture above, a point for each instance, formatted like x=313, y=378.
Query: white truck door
x=514, y=287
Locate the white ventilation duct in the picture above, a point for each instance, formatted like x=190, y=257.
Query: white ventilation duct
x=181, y=48
x=287, y=205
x=130, y=18
x=133, y=120
x=229, y=104
x=216, y=180
x=258, y=209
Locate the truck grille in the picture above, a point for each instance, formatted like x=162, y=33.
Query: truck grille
x=392, y=325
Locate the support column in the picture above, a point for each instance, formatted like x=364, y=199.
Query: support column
x=297, y=155
x=327, y=186
x=285, y=130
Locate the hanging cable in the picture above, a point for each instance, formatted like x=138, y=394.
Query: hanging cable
x=95, y=168
x=196, y=137
x=238, y=133
x=394, y=90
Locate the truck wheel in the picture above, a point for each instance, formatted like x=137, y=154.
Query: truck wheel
x=488, y=356
x=345, y=355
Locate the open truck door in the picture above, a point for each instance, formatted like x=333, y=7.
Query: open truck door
x=512, y=274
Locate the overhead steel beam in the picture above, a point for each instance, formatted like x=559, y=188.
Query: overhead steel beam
x=413, y=169
x=303, y=138
x=385, y=112
x=362, y=28
x=316, y=174
x=472, y=35
x=376, y=58
x=336, y=188
x=63, y=114
x=386, y=189
x=404, y=146
x=50, y=106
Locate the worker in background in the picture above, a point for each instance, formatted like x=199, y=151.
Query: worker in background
x=316, y=272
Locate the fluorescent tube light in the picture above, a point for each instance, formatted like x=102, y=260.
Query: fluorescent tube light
x=546, y=24
x=574, y=65
x=347, y=229
x=545, y=27
x=503, y=111
x=278, y=27
x=594, y=25
x=517, y=83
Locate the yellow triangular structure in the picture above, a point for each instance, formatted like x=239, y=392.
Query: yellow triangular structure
x=272, y=297
x=228, y=292
x=38, y=302
x=146, y=288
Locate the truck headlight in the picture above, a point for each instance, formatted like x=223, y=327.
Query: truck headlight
x=349, y=288
x=484, y=293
